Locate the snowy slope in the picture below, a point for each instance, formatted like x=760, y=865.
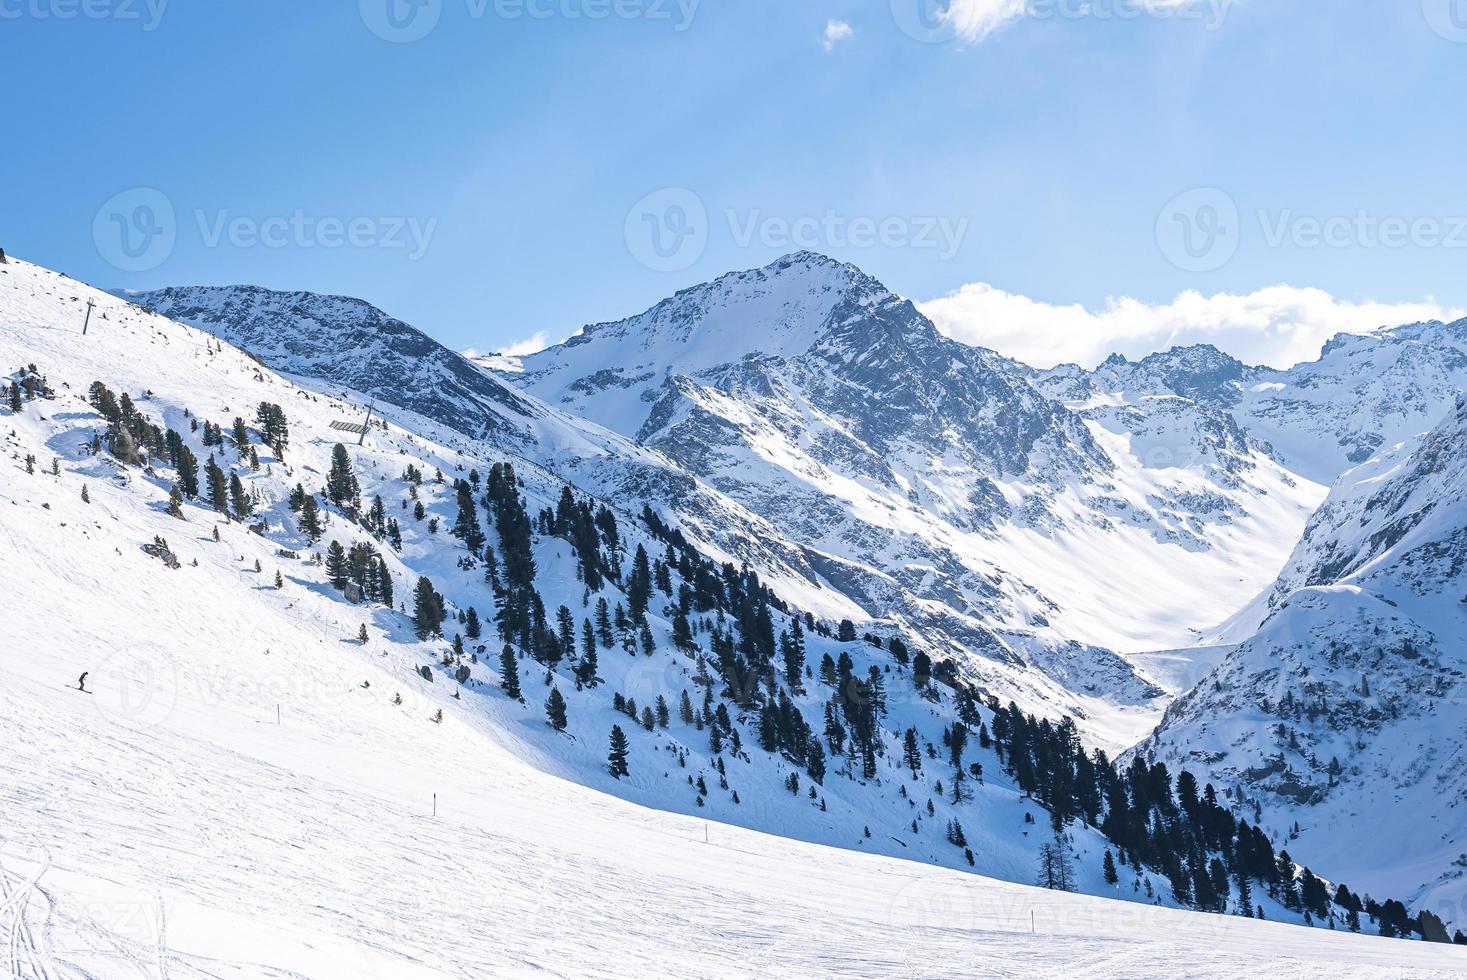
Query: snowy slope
x=243, y=794
x=1344, y=710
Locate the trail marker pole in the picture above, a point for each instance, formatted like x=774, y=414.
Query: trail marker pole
x=435, y=804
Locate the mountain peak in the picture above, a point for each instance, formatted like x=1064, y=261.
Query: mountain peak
x=804, y=257
x=781, y=309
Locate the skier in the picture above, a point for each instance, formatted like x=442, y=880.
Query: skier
x=81, y=683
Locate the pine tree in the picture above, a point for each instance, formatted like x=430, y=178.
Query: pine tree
x=957, y=741
x=794, y=660
x=603, y=623
x=815, y=761
x=384, y=583
x=682, y=632
x=362, y=636
x=1055, y=870
x=555, y=710
x=428, y=613
x=685, y=709
x=1109, y=867
x=509, y=670
x=100, y=397
x=586, y=669
x=218, y=487
x=472, y=628
x=239, y=500
x=276, y=430
x=466, y=526
x=310, y=519
x=565, y=625
x=618, y=756
x=342, y=487
x=188, y=471
x=1245, y=895
x=912, y=753
x=639, y=586
x=336, y=565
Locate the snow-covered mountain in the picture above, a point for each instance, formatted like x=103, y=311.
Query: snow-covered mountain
x=804, y=418
x=845, y=528
x=202, y=614
x=1318, y=419
x=1344, y=710
x=931, y=480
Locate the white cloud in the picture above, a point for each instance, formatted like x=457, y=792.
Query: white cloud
x=974, y=20
x=1278, y=326
x=836, y=31
x=530, y=345
x=507, y=358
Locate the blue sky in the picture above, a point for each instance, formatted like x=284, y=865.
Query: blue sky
x=502, y=175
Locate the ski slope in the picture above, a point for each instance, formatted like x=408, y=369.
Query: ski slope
x=216, y=844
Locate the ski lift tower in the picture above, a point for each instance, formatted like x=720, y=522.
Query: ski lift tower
x=358, y=428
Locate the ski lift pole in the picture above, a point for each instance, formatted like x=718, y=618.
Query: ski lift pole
x=363, y=437
x=88, y=321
